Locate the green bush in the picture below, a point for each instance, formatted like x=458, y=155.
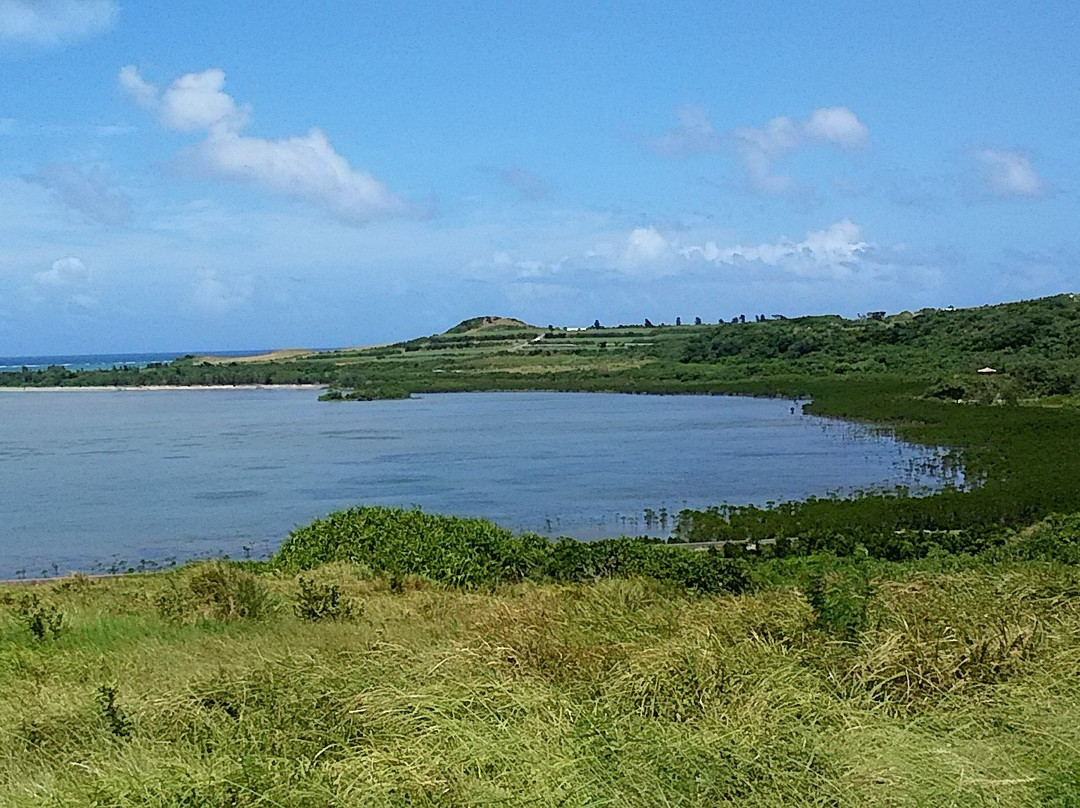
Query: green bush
x=841, y=601
x=217, y=591
x=476, y=553
x=450, y=550
x=42, y=619
x=316, y=602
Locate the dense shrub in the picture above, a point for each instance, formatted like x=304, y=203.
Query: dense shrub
x=477, y=553
x=216, y=591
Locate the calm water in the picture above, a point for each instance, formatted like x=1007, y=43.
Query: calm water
x=94, y=479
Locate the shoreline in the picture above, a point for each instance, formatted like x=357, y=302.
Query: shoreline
x=159, y=387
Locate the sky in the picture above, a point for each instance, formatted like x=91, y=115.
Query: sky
x=250, y=175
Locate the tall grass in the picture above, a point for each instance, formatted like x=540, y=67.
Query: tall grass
x=955, y=686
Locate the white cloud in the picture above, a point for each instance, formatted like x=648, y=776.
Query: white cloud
x=838, y=125
x=306, y=167
x=86, y=191
x=1008, y=173
x=52, y=22
x=645, y=246
x=69, y=271
x=197, y=101
x=140, y=91
x=66, y=283
x=762, y=147
x=833, y=252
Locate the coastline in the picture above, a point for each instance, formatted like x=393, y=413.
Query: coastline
x=160, y=387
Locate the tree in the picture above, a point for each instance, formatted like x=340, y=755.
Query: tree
x=678, y=321
x=647, y=323
x=697, y=321
x=595, y=323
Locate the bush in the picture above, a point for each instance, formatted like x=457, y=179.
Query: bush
x=841, y=602
x=475, y=552
x=42, y=619
x=217, y=591
x=447, y=549
x=111, y=713
x=317, y=602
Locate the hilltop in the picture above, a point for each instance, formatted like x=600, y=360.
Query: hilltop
x=487, y=323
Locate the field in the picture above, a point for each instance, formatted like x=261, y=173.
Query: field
x=948, y=682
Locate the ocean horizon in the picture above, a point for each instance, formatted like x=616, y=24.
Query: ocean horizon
x=9, y=364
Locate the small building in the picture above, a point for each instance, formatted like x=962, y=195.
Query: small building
x=986, y=371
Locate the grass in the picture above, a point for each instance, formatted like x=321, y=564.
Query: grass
x=959, y=687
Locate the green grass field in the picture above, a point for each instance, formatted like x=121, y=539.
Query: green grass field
x=212, y=685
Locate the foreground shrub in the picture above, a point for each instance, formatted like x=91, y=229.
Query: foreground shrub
x=316, y=602
x=451, y=550
x=216, y=591
x=841, y=602
x=43, y=620
x=475, y=552
x=1057, y=538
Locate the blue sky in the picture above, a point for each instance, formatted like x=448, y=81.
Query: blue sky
x=198, y=176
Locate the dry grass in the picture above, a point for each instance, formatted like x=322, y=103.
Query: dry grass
x=961, y=690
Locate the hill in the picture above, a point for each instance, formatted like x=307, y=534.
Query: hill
x=487, y=323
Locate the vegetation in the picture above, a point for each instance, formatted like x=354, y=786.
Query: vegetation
x=475, y=553
x=839, y=681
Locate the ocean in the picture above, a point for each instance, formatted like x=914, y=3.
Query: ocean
x=10, y=364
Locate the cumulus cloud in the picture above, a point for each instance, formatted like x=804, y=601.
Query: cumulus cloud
x=198, y=101
x=833, y=251
x=305, y=167
x=53, y=22
x=762, y=147
x=837, y=125
x=644, y=246
x=86, y=191
x=140, y=91
x=1008, y=174
x=67, y=283
x=68, y=271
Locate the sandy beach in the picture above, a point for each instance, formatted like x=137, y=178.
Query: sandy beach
x=152, y=387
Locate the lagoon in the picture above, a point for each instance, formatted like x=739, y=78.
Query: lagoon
x=98, y=480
